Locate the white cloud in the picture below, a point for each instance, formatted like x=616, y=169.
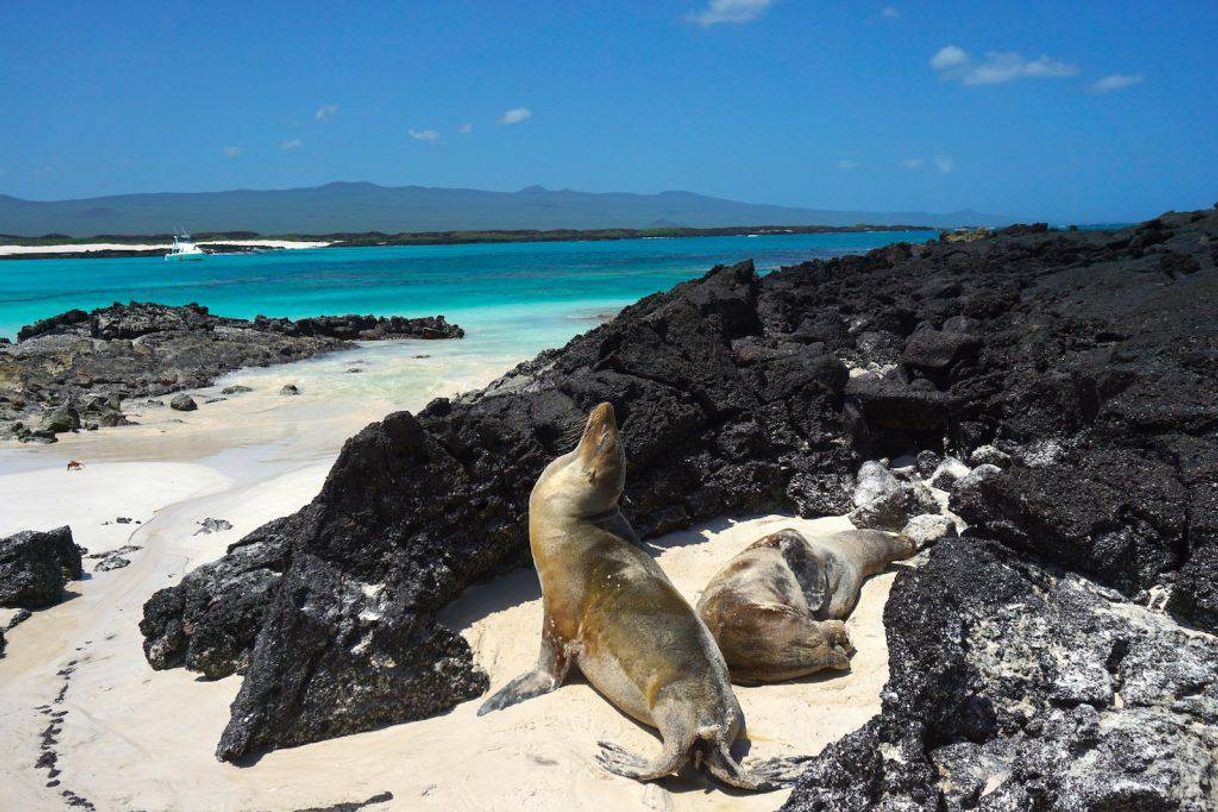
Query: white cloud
x=913, y=163
x=426, y=136
x=232, y=152
x=945, y=165
x=949, y=56
x=890, y=12
x=1115, y=81
x=515, y=115
x=729, y=11
x=466, y=128
x=848, y=165
x=326, y=111
x=291, y=143
x=953, y=62
x=45, y=169
x=1007, y=67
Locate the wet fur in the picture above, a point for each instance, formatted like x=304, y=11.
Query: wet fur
x=612, y=611
x=776, y=609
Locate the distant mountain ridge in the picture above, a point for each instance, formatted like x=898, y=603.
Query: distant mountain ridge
x=358, y=207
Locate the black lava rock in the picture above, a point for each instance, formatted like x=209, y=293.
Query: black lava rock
x=183, y=403
x=1074, y=352
x=75, y=368
x=1013, y=686
x=35, y=565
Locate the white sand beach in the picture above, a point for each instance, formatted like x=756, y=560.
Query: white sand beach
x=95, y=247
x=136, y=738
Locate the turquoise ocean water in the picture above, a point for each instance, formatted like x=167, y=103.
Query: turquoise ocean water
x=514, y=299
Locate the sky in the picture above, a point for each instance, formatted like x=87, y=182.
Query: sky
x=1099, y=111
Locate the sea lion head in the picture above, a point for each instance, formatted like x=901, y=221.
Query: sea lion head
x=589, y=480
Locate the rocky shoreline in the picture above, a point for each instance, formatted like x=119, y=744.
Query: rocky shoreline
x=73, y=371
x=1033, y=660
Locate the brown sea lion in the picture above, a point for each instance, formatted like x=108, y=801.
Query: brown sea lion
x=611, y=610
x=776, y=609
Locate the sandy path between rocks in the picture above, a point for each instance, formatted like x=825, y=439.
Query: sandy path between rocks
x=135, y=738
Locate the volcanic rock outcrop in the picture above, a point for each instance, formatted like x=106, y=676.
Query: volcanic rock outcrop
x=74, y=370
x=1084, y=364
x=1015, y=685
x=35, y=565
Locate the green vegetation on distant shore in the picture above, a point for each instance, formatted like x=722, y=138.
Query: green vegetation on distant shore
x=457, y=237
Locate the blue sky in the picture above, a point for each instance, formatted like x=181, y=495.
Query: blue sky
x=1082, y=112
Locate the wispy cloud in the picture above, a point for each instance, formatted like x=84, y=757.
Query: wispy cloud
x=913, y=163
x=515, y=115
x=291, y=143
x=848, y=165
x=43, y=170
x=1115, y=81
x=890, y=12
x=427, y=136
x=232, y=152
x=326, y=111
x=728, y=11
x=945, y=165
x=954, y=63
x=466, y=128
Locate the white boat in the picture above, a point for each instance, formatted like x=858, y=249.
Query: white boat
x=184, y=249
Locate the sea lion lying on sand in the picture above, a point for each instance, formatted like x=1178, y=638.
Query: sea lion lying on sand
x=612, y=611
x=776, y=609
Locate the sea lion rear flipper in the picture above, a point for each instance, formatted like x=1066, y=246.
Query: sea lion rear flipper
x=620, y=761
x=549, y=673
x=779, y=771
x=772, y=643
x=680, y=739
x=725, y=768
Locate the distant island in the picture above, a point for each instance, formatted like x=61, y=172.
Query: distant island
x=359, y=208
x=126, y=245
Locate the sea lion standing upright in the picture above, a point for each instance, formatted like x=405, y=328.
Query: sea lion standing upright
x=776, y=609
x=612, y=611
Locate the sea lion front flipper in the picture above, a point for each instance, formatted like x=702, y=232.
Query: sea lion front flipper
x=549, y=673
x=811, y=571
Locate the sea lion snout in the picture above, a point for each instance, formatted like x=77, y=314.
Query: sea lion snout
x=600, y=427
x=600, y=448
